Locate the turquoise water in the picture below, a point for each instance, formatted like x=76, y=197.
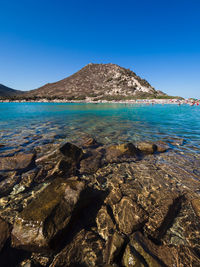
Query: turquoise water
x=26, y=125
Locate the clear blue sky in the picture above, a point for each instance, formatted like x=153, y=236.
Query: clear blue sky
x=44, y=41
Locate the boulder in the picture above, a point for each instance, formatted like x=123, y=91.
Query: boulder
x=142, y=252
x=86, y=249
x=62, y=162
x=114, y=196
x=196, y=206
x=147, y=147
x=4, y=232
x=7, y=183
x=17, y=162
x=161, y=146
x=162, y=214
x=89, y=142
x=46, y=215
x=113, y=247
x=121, y=152
x=105, y=224
x=129, y=215
x=71, y=152
x=91, y=163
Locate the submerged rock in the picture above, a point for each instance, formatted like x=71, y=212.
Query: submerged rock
x=105, y=224
x=161, y=146
x=113, y=247
x=142, y=252
x=196, y=206
x=123, y=151
x=86, y=249
x=62, y=161
x=89, y=142
x=18, y=162
x=46, y=215
x=7, y=183
x=129, y=216
x=147, y=147
x=4, y=232
x=91, y=163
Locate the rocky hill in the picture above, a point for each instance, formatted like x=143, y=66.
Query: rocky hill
x=8, y=92
x=98, y=81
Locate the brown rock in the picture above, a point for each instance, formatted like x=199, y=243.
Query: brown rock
x=71, y=151
x=196, y=206
x=129, y=216
x=114, y=196
x=7, y=184
x=147, y=147
x=60, y=162
x=161, y=146
x=142, y=252
x=162, y=215
x=91, y=163
x=105, y=224
x=17, y=163
x=113, y=247
x=86, y=249
x=46, y=215
x=122, y=151
x=4, y=233
x=89, y=142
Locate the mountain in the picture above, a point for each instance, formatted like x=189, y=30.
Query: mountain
x=98, y=81
x=8, y=92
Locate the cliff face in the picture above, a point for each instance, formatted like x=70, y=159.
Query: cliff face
x=8, y=92
x=98, y=81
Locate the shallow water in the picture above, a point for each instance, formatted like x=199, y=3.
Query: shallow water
x=26, y=125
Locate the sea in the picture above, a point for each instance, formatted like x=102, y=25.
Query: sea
x=24, y=126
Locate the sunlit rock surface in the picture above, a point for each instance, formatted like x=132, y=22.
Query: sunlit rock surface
x=98, y=205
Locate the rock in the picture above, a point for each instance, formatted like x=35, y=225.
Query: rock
x=177, y=141
x=129, y=216
x=18, y=162
x=147, y=147
x=161, y=146
x=46, y=215
x=142, y=252
x=60, y=162
x=196, y=206
x=114, y=196
x=89, y=142
x=113, y=247
x=105, y=224
x=91, y=163
x=86, y=249
x=166, y=207
x=71, y=152
x=7, y=184
x=123, y=151
x=4, y=233
x=185, y=229
x=27, y=179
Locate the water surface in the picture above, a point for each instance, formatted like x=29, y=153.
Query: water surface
x=26, y=125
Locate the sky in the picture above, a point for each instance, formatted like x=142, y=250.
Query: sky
x=43, y=41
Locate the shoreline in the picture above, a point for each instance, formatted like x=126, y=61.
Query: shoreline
x=90, y=101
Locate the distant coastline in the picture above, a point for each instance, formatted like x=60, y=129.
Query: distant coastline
x=135, y=101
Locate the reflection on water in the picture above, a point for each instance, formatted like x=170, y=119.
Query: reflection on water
x=26, y=125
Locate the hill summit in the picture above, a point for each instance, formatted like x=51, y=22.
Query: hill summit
x=98, y=81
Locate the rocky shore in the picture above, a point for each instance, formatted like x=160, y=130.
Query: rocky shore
x=88, y=204
x=91, y=100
